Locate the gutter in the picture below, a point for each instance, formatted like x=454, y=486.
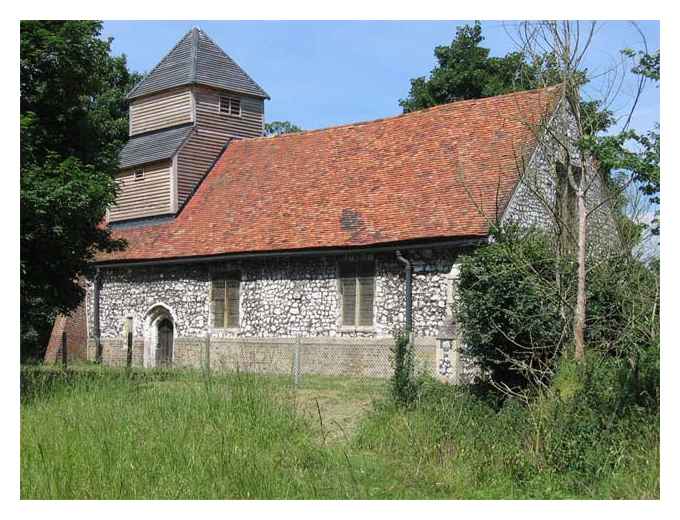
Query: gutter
x=459, y=242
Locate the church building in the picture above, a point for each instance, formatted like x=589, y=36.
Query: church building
x=245, y=249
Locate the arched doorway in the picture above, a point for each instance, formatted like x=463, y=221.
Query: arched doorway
x=165, y=344
x=159, y=333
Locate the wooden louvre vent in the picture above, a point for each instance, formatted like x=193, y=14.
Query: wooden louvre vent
x=226, y=296
x=357, y=288
x=230, y=105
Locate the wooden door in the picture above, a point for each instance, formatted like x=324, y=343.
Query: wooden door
x=165, y=333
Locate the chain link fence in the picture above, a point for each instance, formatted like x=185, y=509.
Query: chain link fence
x=301, y=357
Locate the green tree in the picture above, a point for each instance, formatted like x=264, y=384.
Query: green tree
x=629, y=156
x=73, y=123
x=280, y=127
x=466, y=70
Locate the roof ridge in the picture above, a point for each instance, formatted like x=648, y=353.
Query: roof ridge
x=148, y=74
x=194, y=53
x=403, y=115
x=196, y=59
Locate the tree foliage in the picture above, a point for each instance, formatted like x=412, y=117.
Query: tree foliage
x=466, y=70
x=73, y=123
x=630, y=157
x=515, y=318
x=280, y=127
x=511, y=310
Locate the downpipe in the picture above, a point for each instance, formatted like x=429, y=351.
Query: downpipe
x=408, y=294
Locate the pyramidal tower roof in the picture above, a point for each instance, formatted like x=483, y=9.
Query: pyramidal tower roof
x=197, y=60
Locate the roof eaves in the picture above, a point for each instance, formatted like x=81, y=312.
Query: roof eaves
x=461, y=241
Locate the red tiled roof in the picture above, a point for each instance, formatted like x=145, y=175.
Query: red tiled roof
x=429, y=174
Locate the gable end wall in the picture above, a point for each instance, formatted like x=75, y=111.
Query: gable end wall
x=535, y=192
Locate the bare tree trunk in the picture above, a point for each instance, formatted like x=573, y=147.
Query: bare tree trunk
x=566, y=43
x=579, y=187
x=580, y=311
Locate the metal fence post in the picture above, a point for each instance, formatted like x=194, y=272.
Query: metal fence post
x=296, y=361
x=129, y=349
x=64, y=350
x=206, y=354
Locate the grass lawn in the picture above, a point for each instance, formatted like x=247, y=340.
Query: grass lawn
x=99, y=433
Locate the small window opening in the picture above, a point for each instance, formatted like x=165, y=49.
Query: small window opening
x=230, y=106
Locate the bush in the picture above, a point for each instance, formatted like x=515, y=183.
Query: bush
x=511, y=309
x=516, y=312
x=588, y=418
x=403, y=383
x=623, y=296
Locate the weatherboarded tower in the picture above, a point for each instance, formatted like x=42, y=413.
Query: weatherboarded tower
x=182, y=114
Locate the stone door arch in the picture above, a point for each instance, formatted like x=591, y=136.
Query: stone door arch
x=160, y=330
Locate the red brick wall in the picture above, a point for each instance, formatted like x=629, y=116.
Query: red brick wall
x=75, y=326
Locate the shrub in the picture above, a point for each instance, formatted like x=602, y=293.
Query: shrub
x=511, y=309
x=516, y=312
x=588, y=418
x=623, y=322
x=403, y=383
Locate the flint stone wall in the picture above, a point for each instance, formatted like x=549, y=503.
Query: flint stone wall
x=280, y=297
x=534, y=196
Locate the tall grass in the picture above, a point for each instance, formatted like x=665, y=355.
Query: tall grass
x=105, y=433
x=455, y=445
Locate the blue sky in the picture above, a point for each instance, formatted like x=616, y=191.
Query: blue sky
x=325, y=73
